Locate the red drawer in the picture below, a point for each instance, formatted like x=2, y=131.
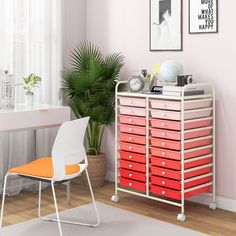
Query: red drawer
x=133, y=166
x=176, y=145
x=133, y=184
x=133, y=147
x=176, y=165
x=133, y=175
x=132, y=156
x=131, y=138
x=176, y=125
x=176, y=155
x=169, y=193
x=132, y=120
x=132, y=129
x=169, y=183
x=174, y=174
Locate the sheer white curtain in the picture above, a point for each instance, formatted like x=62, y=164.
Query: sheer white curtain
x=30, y=41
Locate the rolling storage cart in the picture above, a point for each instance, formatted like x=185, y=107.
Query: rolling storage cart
x=165, y=146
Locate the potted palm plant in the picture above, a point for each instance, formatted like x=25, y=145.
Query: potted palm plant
x=88, y=87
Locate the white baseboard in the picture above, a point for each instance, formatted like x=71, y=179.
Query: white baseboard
x=205, y=199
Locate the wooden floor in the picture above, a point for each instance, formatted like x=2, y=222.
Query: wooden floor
x=23, y=207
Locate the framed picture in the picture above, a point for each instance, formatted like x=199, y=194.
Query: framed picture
x=165, y=25
x=203, y=16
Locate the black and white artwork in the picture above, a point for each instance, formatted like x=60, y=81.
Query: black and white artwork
x=203, y=16
x=165, y=25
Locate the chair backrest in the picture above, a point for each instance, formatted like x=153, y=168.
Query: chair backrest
x=68, y=148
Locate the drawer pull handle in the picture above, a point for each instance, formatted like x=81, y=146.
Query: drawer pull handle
x=163, y=192
x=130, y=175
x=163, y=134
x=130, y=129
x=130, y=101
x=163, y=114
x=163, y=163
x=163, y=124
x=163, y=182
x=130, y=184
x=130, y=147
x=163, y=153
x=131, y=111
x=163, y=144
x=130, y=138
x=130, y=157
x=130, y=166
x=163, y=172
x=130, y=120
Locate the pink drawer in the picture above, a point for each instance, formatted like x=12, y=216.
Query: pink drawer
x=170, y=193
x=194, y=114
x=132, y=156
x=176, y=155
x=174, y=174
x=134, y=102
x=176, y=125
x=133, y=175
x=132, y=129
x=176, y=145
x=176, y=105
x=133, y=147
x=140, y=186
x=132, y=111
x=176, y=135
x=176, y=165
x=131, y=138
x=132, y=120
x=129, y=165
x=174, y=184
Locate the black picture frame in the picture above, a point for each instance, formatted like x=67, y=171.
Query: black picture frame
x=203, y=32
x=181, y=29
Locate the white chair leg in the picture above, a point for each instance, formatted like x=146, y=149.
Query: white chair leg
x=3, y=199
x=56, y=208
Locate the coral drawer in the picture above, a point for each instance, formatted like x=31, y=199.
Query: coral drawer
x=133, y=175
x=133, y=184
x=133, y=166
x=132, y=111
x=176, y=145
x=176, y=105
x=169, y=183
x=134, y=102
x=176, y=115
x=132, y=120
x=176, y=155
x=132, y=138
x=176, y=165
x=173, y=174
x=176, y=135
x=132, y=156
x=133, y=147
x=176, y=125
x=165, y=192
x=132, y=129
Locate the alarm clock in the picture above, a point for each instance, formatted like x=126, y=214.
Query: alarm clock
x=136, y=84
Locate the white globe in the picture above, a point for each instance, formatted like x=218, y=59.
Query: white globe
x=170, y=69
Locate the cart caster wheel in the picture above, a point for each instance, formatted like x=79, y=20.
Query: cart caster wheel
x=181, y=217
x=212, y=206
x=115, y=198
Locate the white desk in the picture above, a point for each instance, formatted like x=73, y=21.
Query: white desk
x=36, y=117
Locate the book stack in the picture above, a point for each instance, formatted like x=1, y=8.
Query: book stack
x=177, y=91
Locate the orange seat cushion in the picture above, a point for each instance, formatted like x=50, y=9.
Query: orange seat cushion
x=42, y=167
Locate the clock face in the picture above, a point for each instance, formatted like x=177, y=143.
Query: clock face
x=136, y=84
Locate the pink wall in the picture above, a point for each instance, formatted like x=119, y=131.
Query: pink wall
x=123, y=26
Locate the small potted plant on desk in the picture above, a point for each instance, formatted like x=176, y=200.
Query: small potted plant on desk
x=28, y=84
x=89, y=89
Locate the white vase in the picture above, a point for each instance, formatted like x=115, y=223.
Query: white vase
x=29, y=99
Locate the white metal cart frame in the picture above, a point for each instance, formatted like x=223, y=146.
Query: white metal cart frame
x=210, y=94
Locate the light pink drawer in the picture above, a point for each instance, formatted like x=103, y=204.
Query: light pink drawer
x=176, y=125
x=132, y=111
x=176, y=105
x=176, y=155
x=133, y=102
x=131, y=138
x=176, y=115
x=133, y=147
x=176, y=135
x=176, y=145
x=132, y=120
x=132, y=129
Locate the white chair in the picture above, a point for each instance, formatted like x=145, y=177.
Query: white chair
x=65, y=164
